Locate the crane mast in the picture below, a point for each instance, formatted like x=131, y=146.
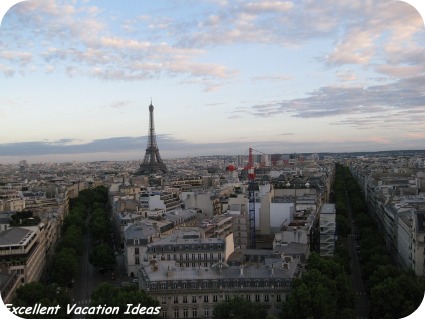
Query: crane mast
x=251, y=198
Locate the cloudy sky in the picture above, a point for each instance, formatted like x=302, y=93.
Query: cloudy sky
x=77, y=77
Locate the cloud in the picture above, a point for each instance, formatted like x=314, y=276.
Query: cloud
x=401, y=102
x=133, y=148
x=268, y=6
x=77, y=41
x=120, y=104
x=271, y=78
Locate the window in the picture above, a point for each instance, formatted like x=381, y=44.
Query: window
x=176, y=312
x=257, y=298
x=206, y=312
x=194, y=312
x=278, y=298
x=136, y=250
x=184, y=299
x=164, y=313
x=215, y=298
x=137, y=260
x=206, y=298
x=205, y=256
x=212, y=256
x=163, y=300
x=219, y=256
x=185, y=313
x=199, y=256
x=248, y=297
x=266, y=298
x=168, y=257
x=193, y=256
x=194, y=299
x=227, y=297
x=176, y=299
x=187, y=256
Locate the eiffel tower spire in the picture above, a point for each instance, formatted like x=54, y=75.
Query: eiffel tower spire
x=152, y=162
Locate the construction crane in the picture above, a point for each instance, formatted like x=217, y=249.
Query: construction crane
x=252, y=187
x=251, y=198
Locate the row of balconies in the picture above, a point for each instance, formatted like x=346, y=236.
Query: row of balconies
x=219, y=287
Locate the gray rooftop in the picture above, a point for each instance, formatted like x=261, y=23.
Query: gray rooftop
x=328, y=209
x=188, y=239
x=141, y=230
x=167, y=270
x=15, y=236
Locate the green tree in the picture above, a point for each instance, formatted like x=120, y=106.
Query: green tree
x=239, y=308
x=109, y=295
x=102, y=257
x=65, y=264
x=36, y=293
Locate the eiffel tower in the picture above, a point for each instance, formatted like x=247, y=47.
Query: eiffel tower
x=152, y=162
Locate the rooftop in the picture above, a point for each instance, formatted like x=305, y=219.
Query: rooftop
x=15, y=236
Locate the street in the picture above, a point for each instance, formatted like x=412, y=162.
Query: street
x=362, y=302
x=88, y=278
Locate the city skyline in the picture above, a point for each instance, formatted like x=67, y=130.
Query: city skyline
x=280, y=76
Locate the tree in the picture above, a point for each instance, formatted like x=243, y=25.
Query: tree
x=65, y=264
x=344, y=228
x=109, y=295
x=72, y=238
x=49, y=296
x=324, y=291
x=102, y=257
x=239, y=308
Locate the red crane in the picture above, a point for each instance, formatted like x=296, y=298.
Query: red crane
x=251, y=198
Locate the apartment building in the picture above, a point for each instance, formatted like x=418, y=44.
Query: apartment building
x=303, y=229
x=22, y=250
x=395, y=200
x=189, y=249
x=193, y=292
x=327, y=230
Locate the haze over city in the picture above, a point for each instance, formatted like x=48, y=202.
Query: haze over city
x=77, y=78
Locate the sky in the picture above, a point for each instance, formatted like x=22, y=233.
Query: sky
x=77, y=78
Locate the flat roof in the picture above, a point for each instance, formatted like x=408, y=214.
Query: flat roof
x=328, y=209
x=15, y=236
x=168, y=271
